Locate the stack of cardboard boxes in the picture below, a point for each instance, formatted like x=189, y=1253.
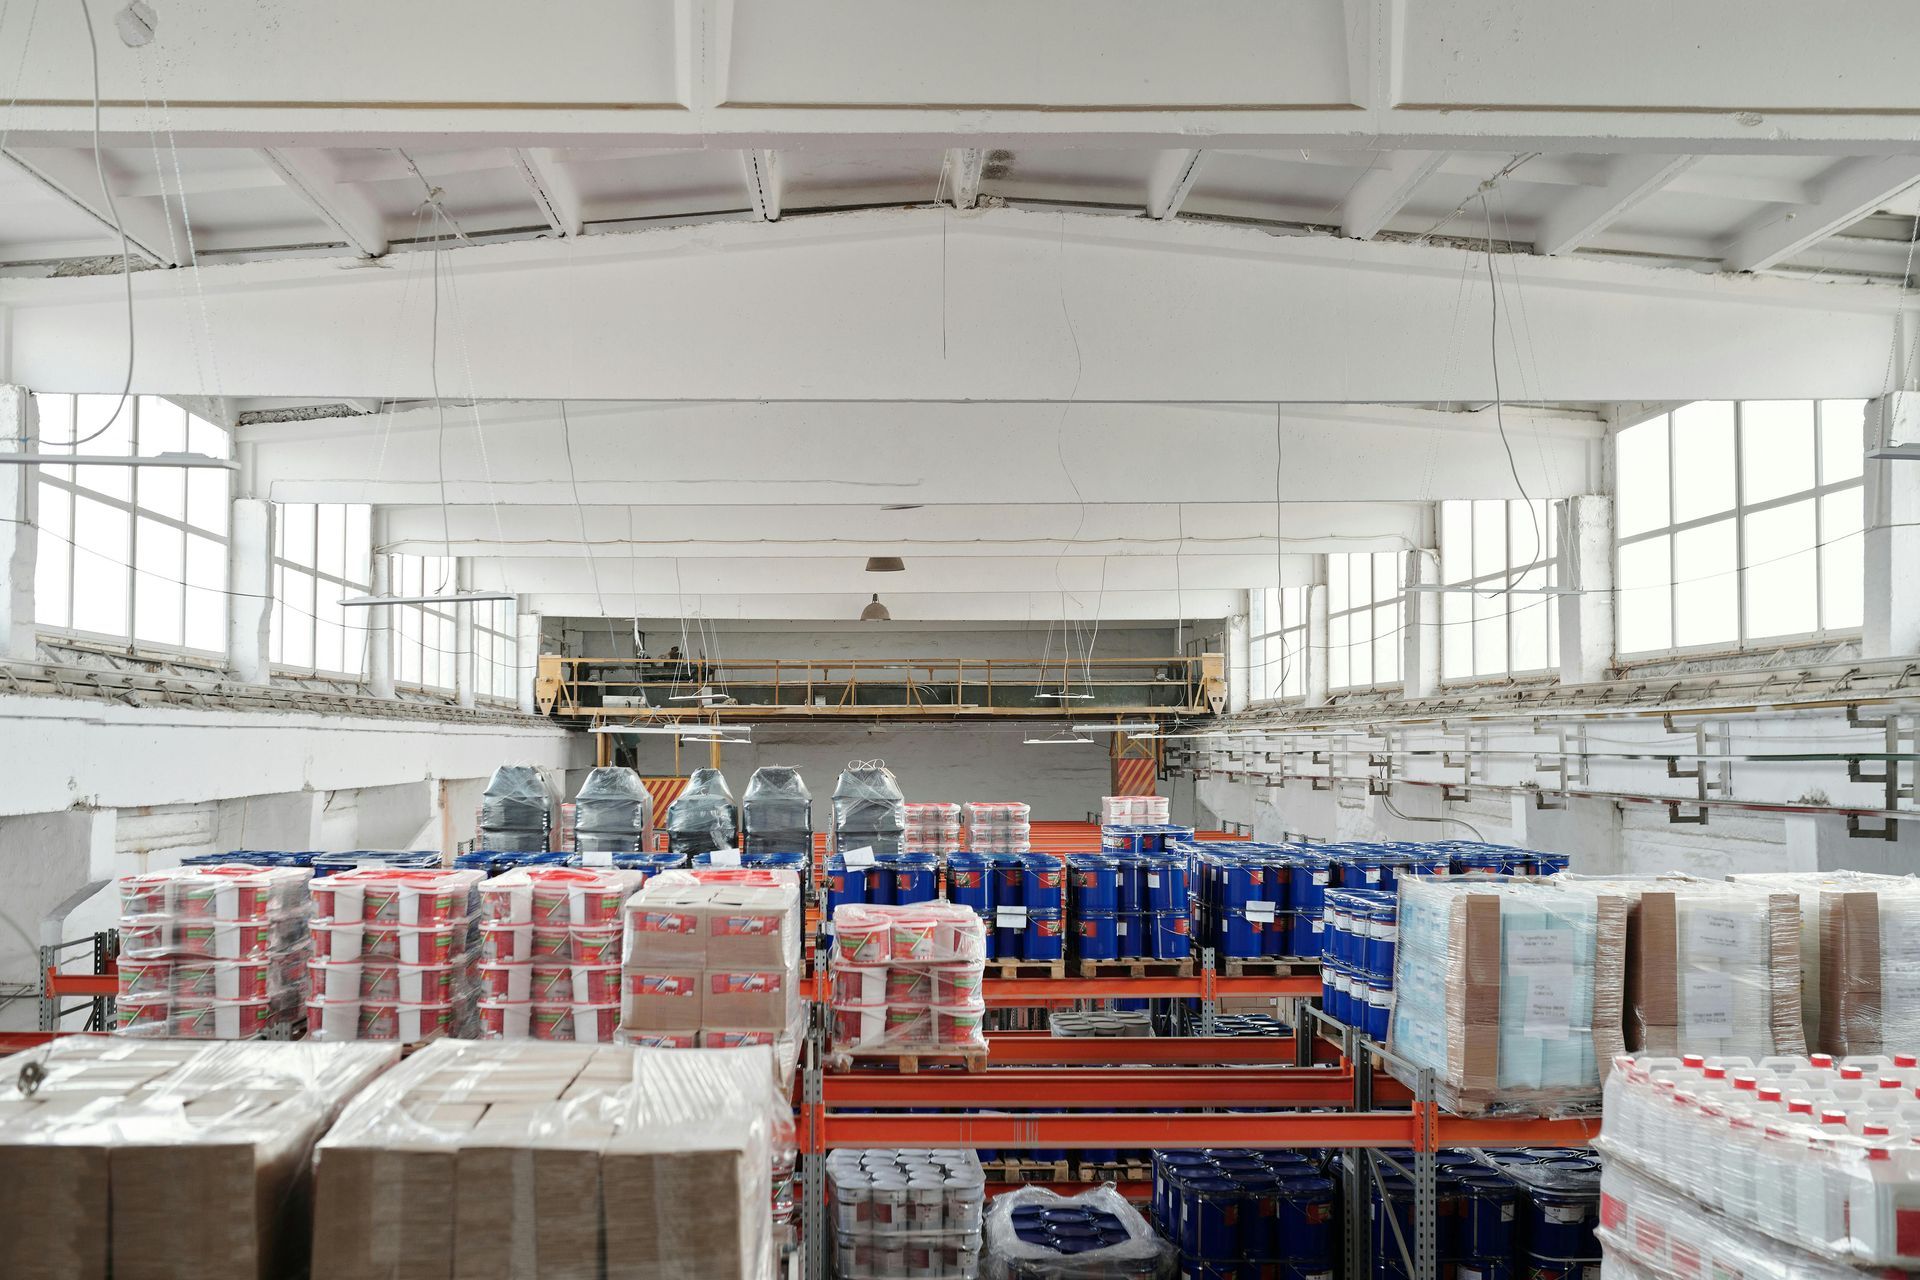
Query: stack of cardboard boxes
x=712, y=958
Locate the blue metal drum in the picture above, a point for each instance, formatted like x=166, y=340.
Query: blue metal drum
x=1168, y=883
x=1096, y=882
x=1045, y=937
x=1171, y=939
x=1043, y=881
x=1096, y=935
x=1009, y=880
x=970, y=881
x=915, y=877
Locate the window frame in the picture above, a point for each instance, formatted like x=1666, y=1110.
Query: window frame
x=1395, y=634
x=280, y=562
x=499, y=620
x=1497, y=582
x=1737, y=515
x=1265, y=603
x=448, y=656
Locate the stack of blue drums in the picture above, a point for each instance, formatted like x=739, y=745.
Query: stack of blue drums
x=1360, y=936
x=323, y=864
x=1235, y=1213
x=1558, y=1210
x=1477, y=858
x=651, y=863
x=1503, y=1215
x=1142, y=838
x=498, y=862
x=892, y=880
x=1022, y=897
x=1246, y=893
x=1130, y=905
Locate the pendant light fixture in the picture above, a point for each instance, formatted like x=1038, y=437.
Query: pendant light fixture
x=886, y=564
x=875, y=612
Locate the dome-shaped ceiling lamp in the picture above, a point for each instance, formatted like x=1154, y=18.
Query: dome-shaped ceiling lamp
x=875, y=612
x=886, y=564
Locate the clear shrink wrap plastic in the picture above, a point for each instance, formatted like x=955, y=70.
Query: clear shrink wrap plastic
x=703, y=818
x=213, y=952
x=998, y=826
x=776, y=812
x=869, y=811
x=559, y=929
x=1510, y=991
x=899, y=1214
x=516, y=1158
x=1712, y=967
x=1810, y=886
x=1648, y=1231
x=1870, y=967
x=613, y=813
x=1132, y=811
x=516, y=810
x=394, y=955
x=907, y=979
x=166, y=1158
x=932, y=826
x=1817, y=1155
x=1017, y=1249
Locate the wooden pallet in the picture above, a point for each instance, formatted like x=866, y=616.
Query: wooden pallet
x=1268, y=968
x=1119, y=1171
x=1135, y=968
x=914, y=1061
x=1026, y=969
x=1022, y=1171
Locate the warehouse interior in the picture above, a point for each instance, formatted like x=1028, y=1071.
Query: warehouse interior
x=1458, y=449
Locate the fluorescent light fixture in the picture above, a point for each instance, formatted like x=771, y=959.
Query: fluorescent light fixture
x=1435, y=589
x=1138, y=728
x=703, y=732
x=1895, y=453
x=118, y=460
x=1069, y=697
x=1060, y=739
x=456, y=597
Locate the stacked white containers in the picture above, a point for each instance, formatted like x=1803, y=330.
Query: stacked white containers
x=213, y=953
x=1811, y=1153
x=898, y=1215
x=393, y=955
x=932, y=826
x=999, y=826
x=550, y=952
x=1133, y=811
x=908, y=980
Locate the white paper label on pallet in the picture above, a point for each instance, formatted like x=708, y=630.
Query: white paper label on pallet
x=600, y=859
x=1010, y=917
x=1153, y=879
x=857, y=858
x=1708, y=1011
x=1527, y=948
x=1720, y=933
x=1259, y=909
x=724, y=858
x=1548, y=994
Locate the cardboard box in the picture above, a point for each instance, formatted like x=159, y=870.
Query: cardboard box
x=1713, y=968
x=661, y=999
x=747, y=1000
x=752, y=928
x=666, y=930
x=200, y=1170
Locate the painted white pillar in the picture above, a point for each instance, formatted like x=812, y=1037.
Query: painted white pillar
x=1239, y=656
x=250, y=589
x=1318, y=644
x=19, y=535
x=1891, y=621
x=1420, y=641
x=526, y=658
x=380, y=625
x=1586, y=566
x=463, y=667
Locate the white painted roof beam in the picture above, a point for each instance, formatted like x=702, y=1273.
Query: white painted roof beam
x=1579, y=217
x=1174, y=173
x=343, y=208
x=70, y=175
x=1849, y=191
x=963, y=175
x=764, y=185
x=1384, y=190
x=551, y=186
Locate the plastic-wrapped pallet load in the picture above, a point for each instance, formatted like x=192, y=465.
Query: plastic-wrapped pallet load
x=516, y=810
x=613, y=813
x=903, y=1214
x=998, y=826
x=908, y=980
x=494, y=1160
x=932, y=826
x=166, y=1159
x=869, y=812
x=703, y=818
x=1809, y=885
x=394, y=955
x=213, y=952
x=1034, y=1234
x=559, y=931
x=777, y=812
x=1509, y=991
x=1870, y=967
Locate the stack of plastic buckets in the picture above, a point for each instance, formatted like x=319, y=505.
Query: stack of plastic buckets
x=1356, y=968
x=1228, y=1211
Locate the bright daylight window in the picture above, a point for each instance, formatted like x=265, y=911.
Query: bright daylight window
x=496, y=648
x=134, y=555
x=1277, y=651
x=320, y=556
x=423, y=638
x=1490, y=546
x=1738, y=523
x=1365, y=609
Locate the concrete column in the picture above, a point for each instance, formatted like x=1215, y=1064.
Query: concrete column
x=527, y=659
x=250, y=589
x=463, y=668
x=1892, y=614
x=1318, y=643
x=19, y=535
x=1420, y=641
x=1586, y=568
x=1239, y=656
x=380, y=624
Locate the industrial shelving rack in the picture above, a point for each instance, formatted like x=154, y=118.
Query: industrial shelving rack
x=1322, y=1087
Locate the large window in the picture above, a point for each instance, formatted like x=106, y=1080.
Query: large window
x=1277, y=648
x=1365, y=608
x=423, y=639
x=1492, y=547
x=135, y=555
x=1739, y=523
x=496, y=649
x=320, y=556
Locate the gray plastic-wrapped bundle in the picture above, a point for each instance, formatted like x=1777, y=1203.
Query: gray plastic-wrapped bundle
x=868, y=809
x=1034, y=1234
x=613, y=813
x=522, y=1158
x=776, y=813
x=703, y=818
x=515, y=811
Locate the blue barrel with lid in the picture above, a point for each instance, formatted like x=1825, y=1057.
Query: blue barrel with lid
x=970, y=881
x=1379, y=1008
x=1242, y=880
x=1009, y=880
x=1097, y=935
x=1133, y=881
x=1383, y=938
x=1043, y=881
x=915, y=877
x=1478, y=863
x=1241, y=937
x=1304, y=1219
x=1168, y=882
x=1306, y=933
x=1095, y=880
x=1488, y=1209
x=1045, y=938
x=1307, y=882
x=1211, y=1226
x=1171, y=939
